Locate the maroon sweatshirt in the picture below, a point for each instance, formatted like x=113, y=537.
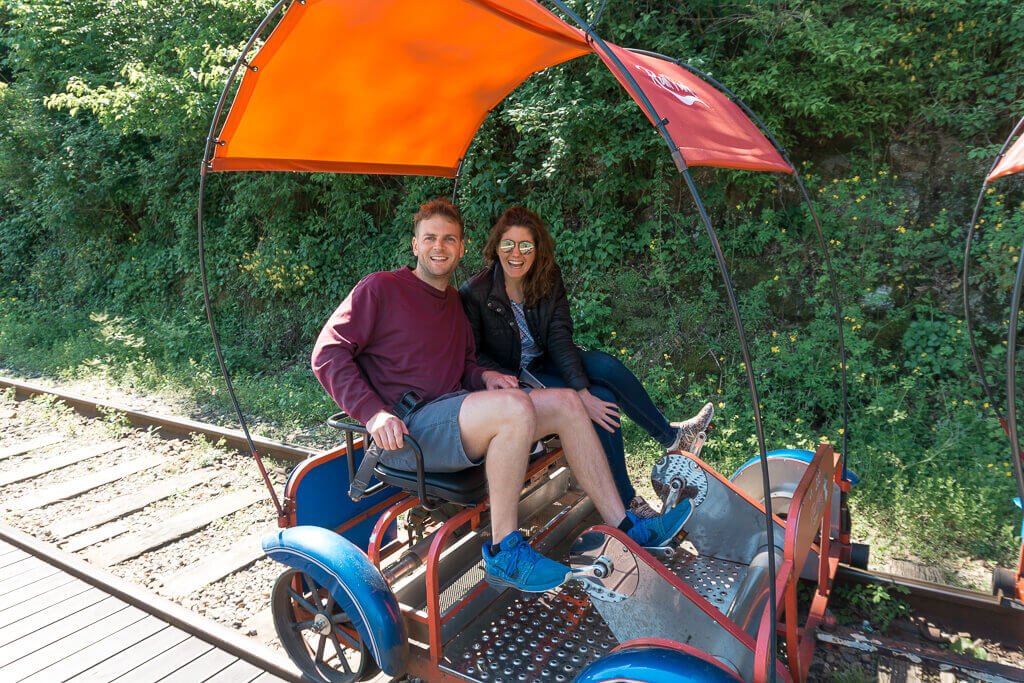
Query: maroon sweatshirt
x=394, y=333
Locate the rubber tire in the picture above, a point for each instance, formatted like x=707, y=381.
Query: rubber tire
x=299, y=650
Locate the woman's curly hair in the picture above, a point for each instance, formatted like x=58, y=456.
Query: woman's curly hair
x=540, y=279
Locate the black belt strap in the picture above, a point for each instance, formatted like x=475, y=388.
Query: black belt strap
x=409, y=403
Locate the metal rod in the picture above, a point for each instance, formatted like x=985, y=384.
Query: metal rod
x=730, y=293
x=207, y=303
x=836, y=301
x=1011, y=375
x=971, y=229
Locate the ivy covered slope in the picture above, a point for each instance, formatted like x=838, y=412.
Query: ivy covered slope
x=892, y=110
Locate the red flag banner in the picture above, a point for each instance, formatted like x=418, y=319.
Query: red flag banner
x=709, y=129
x=1012, y=162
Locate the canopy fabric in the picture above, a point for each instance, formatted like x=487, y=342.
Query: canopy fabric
x=401, y=87
x=708, y=128
x=1012, y=162
x=385, y=86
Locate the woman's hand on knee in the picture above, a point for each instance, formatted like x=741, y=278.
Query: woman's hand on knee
x=603, y=413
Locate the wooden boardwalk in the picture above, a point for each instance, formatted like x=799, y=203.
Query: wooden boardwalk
x=63, y=620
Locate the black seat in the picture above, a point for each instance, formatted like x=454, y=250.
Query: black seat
x=466, y=487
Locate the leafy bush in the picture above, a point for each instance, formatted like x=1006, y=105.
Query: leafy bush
x=893, y=110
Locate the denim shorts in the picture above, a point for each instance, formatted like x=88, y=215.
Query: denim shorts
x=435, y=426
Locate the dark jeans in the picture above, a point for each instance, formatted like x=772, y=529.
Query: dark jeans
x=612, y=381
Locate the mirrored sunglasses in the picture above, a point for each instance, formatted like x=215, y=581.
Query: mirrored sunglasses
x=507, y=246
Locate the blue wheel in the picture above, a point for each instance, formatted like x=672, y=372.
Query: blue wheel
x=649, y=664
x=316, y=633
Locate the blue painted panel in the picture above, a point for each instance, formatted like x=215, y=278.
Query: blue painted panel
x=357, y=586
x=654, y=665
x=321, y=499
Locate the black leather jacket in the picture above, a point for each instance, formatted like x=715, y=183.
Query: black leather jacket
x=498, y=346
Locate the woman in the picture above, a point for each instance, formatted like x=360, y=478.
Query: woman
x=518, y=309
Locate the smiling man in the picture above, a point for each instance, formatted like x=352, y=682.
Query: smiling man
x=398, y=355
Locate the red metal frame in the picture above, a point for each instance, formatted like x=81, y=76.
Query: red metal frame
x=811, y=502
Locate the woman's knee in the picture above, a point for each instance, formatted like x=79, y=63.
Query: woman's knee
x=603, y=366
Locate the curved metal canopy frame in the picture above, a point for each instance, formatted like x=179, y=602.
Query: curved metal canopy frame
x=592, y=37
x=1009, y=422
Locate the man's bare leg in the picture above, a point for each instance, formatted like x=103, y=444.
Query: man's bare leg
x=560, y=411
x=501, y=425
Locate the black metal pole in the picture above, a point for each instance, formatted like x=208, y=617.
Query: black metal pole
x=207, y=303
x=971, y=229
x=730, y=293
x=837, y=303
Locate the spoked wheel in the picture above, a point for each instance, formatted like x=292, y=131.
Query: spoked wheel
x=316, y=633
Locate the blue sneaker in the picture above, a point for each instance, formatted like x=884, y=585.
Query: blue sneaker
x=658, y=531
x=518, y=565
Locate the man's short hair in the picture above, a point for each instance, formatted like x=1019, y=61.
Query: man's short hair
x=438, y=207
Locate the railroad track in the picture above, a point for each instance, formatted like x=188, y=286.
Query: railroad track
x=172, y=505
x=177, y=507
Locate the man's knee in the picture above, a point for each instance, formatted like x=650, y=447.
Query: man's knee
x=515, y=408
x=567, y=402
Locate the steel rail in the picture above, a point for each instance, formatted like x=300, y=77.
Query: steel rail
x=174, y=614
x=983, y=614
x=177, y=426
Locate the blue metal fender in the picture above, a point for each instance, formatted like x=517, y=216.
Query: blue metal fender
x=654, y=665
x=358, y=587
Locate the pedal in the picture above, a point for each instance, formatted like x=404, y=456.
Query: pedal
x=675, y=477
x=605, y=568
x=662, y=553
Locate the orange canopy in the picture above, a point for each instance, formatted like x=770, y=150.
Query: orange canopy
x=709, y=129
x=385, y=86
x=401, y=87
x=1012, y=162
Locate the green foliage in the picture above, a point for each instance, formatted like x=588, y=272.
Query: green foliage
x=894, y=111
x=874, y=602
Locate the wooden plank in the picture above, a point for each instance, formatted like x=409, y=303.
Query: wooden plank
x=16, y=568
x=237, y=556
x=55, y=631
x=94, y=536
x=31, y=445
x=14, y=629
x=27, y=577
x=167, y=663
x=267, y=677
x=99, y=651
x=201, y=668
x=55, y=584
x=16, y=555
x=125, y=505
x=34, y=469
x=178, y=526
x=132, y=657
x=67, y=647
x=79, y=485
x=239, y=672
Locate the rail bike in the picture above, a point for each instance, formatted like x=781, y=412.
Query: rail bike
x=383, y=569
